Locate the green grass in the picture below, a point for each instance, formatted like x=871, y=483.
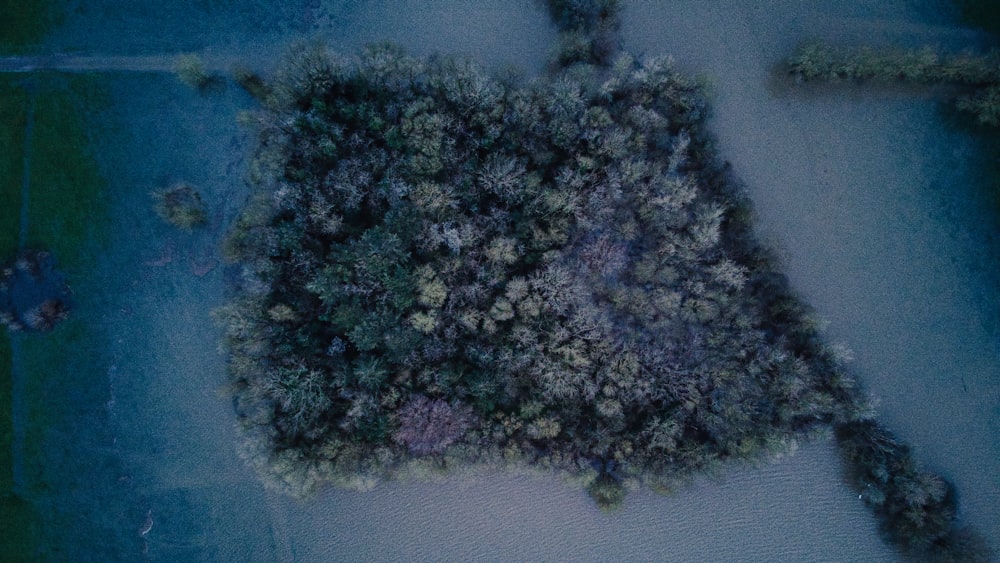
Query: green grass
x=68, y=461
x=48, y=419
x=64, y=373
x=6, y=414
x=13, y=115
x=19, y=523
x=24, y=23
x=74, y=373
x=984, y=14
x=17, y=517
x=66, y=207
x=65, y=215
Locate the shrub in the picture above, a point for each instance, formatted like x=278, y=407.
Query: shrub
x=587, y=30
x=607, y=492
x=252, y=83
x=181, y=206
x=46, y=315
x=811, y=61
x=985, y=105
x=190, y=69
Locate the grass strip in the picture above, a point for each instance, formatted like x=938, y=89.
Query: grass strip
x=13, y=121
x=66, y=211
x=24, y=23
x=18, y=519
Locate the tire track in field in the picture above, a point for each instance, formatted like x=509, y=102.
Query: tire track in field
x=18, y=414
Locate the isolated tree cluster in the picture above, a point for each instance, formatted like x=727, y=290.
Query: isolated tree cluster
x=445, y=263
x=445, y=267
x=181, y=206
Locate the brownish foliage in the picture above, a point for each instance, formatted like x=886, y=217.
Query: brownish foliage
x=429, y=426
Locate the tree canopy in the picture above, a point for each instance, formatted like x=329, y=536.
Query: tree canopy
x=446, y=262
x=442, y=266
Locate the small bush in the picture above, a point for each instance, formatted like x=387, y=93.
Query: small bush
x=985, y=105
x=46, y=315
x=252, y=83
x=190, y=69
x=607, y=492
x=812, y=61
x=588, y=30
x=181, y=206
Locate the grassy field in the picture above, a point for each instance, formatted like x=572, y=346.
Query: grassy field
x=13, y=115
x=13, y=112
x=981, y=13
x=24, y=23
x=16, y=516
x=65, y=451
x=65, y=188
x=65, y=198
x=6, y=426
x=64, y=216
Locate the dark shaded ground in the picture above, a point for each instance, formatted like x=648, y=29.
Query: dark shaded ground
x=33, y=293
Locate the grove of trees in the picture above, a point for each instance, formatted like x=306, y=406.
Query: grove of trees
x=442, y=266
